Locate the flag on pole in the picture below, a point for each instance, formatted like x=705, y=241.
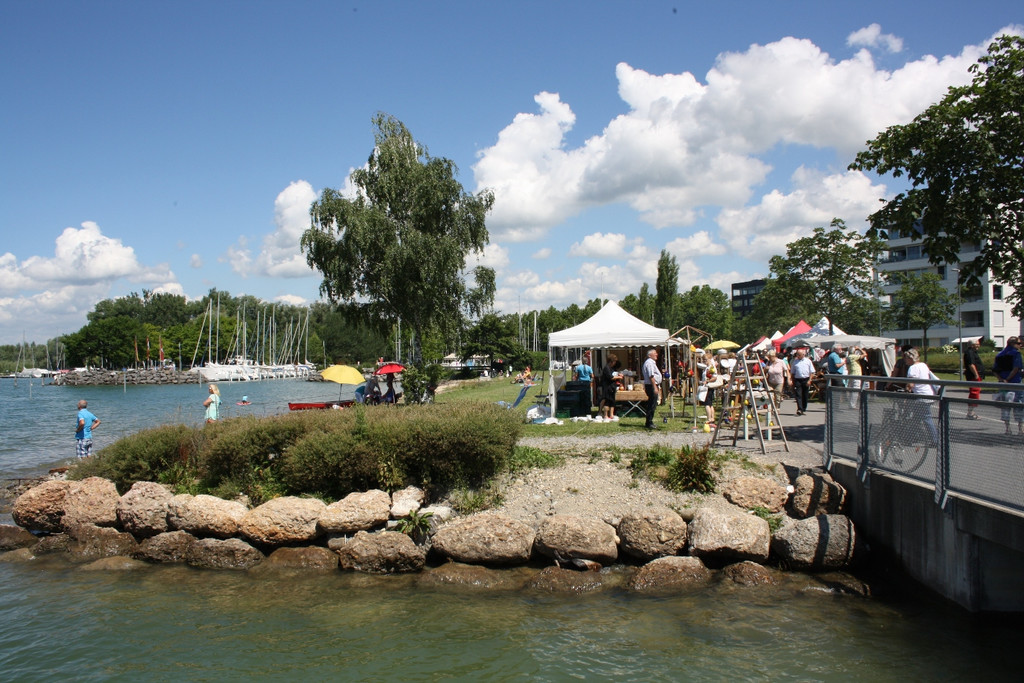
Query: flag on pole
x=147, y=349
x=136, y=349
x=161, y=349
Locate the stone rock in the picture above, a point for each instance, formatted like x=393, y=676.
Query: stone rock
x=17, y=556
x=91, y=501
x=568, y=537
x=143, y=510
x=14, y=537
x=41, y=508
x=115, y=564
x=205, y=515
x=755, y=492
x=439, y=515
x=356, y=512
x=169, y=547
x=749, y=573
x=405, y=501
x=652, y=533
x=282, y=521
x=470, y=576
x=821, y=542
x=559, y=580
x=217, y=553
x=387, y=552
x=50, y=545
x=486, y=538
x=666, y=573
x=816, y=493
x=312, y=558
x=91, y=542
x=729, y=534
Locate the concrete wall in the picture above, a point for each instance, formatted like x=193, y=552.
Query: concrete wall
x=969, y=553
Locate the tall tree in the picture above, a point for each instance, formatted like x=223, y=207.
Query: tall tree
x=831, y=269
x=707, y=308
x=963, y=159
x=666, y=293
x=397, y=251
x=920, y=302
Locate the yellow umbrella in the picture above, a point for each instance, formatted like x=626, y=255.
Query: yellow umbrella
x=721, y=344
x=343, y=374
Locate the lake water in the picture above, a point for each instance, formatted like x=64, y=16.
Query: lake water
x=175, y=623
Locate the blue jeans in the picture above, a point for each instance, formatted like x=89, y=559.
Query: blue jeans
x=1017, y=399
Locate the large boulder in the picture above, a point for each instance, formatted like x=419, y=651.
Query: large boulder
x=729, y=534
x=143, y=510
x=756, y=492
x=821, y=542
x=41, y=508
x=387, y=552
x=205, y=515
x=816, y=493
x=90, y=542
x=308, y=558
x=457, y=575
x=409, y=499
x=14, y=537
x=91, y=501
x=169, y=547
x=487, y=538
x=749, y=573
x=652, y=533
x=118, y=563
x=568, y=537
x=217, y=553
x=667, y=573
x=282, y=521
x=356, y=512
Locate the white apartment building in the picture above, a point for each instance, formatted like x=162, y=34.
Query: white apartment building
x=984, y=310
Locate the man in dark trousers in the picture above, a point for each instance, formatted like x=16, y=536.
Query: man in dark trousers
x=973, y=372
x=652, y=385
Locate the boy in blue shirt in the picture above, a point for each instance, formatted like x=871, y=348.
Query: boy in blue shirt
x=83, y=430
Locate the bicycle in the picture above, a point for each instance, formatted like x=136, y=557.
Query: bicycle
x=889, y=445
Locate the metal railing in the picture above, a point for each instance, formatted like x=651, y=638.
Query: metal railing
x=960, y=447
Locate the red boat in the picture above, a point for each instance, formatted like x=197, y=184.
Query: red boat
x=320, y=405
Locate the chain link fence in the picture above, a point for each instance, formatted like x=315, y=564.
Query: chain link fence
x=972, y=448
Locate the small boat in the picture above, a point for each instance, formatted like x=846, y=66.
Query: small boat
x=320, y=405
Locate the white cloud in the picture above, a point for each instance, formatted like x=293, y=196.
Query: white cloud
x=685, y=147
x=196, y=261
x=695, y=246
x=51, y=295
x=872, y=36
x=542, y=254
x=291, y=299
x=494, y=256
x=280, y=254
x=601, y=245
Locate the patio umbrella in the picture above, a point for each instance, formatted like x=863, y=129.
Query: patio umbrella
x=342, y=374
x=721, y=344
x=389, y=369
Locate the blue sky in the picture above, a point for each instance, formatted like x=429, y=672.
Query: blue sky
x=176, y=146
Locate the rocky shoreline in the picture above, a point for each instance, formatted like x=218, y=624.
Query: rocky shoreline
x=98, y=377
x=613, y=531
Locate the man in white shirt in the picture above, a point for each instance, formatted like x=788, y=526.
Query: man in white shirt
x=652, y=385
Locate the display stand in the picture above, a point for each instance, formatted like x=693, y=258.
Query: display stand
x=748, y=403
x=687, y=339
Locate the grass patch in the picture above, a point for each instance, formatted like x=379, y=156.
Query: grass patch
x=529, y=457
x=774, y=519
x=689, y=468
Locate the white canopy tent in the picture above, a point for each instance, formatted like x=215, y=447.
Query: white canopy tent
x=610, y=328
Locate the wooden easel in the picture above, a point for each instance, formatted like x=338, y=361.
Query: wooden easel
x=743, y=400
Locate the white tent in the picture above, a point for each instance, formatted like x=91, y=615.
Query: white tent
x=610, y=328
x=885, y=346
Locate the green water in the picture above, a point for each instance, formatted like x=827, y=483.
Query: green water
x=175, y=623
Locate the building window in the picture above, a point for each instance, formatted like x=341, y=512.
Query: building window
x=973, y=319
x=997, y=319
x=997, y=292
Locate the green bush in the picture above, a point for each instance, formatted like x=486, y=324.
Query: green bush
x=144, y=456
x=692, y=470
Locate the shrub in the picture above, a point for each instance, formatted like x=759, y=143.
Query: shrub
x=331, y=463
x=692, y=470
x=144, y=456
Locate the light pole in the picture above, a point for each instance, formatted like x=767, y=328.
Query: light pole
x=959, y=322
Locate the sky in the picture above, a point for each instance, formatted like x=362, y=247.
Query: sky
x=177, y=146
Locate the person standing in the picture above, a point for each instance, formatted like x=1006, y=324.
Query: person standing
x=801, y=370
x=609, y=385
x=652, y=385
x=212, y=404
x=1009, y=371
x=973, y=372
x=83, y=430
x=919, y=371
